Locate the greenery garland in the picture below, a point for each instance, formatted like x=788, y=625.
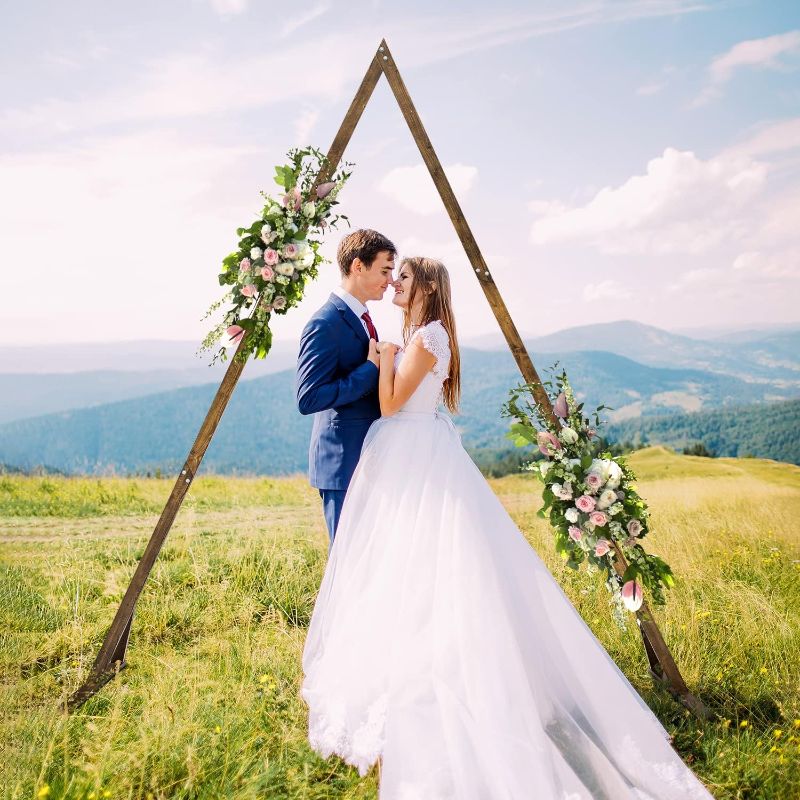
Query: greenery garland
x=278, y=255
x=590, y=496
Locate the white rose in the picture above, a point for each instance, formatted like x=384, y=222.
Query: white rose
x=568, y=436
x=614, y=475
x=543, y=468
x=607, y=497
x=599, y=466
x=256, y=253
x=571, y=514
x=284, y=268
x=309, y=209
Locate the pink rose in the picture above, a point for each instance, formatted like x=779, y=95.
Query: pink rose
x=292, y=199
x=575, y=533
x=594, y=481
x=634, y=527
x=235, y=332
x=585, y=503
x=250, y=290
x=324, y=189
x=632, y=595
x=602, y=547
x=271, y=257
x=598, y=518
x=279, y=303
x=267, y=273
x=290, y=251
x=560, y=408
x=244, y=264
x=547, y=442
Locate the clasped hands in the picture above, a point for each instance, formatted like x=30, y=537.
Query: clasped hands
x=378, y=350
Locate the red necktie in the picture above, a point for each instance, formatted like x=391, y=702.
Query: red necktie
x=373, y=334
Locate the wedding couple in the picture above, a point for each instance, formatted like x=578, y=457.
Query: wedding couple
x=440, y=646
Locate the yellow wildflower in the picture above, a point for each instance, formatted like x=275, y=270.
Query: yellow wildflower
x=217, y=729
x=264, y=678
x=106, y=793
x=744, y=723
x=719, y=677
x=773, y=749
x=763, y=670
x=44, y=791
x=797, y=723
x=702, y=614
x=777, y=733
x=726, y=723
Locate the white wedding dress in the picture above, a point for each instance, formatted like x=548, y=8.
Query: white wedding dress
x=441, y=643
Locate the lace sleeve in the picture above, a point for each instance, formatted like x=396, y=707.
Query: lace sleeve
x=435, y=340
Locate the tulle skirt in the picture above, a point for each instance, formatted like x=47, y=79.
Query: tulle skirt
x=441, y=643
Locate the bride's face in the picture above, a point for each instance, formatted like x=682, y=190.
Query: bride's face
x=402, y=286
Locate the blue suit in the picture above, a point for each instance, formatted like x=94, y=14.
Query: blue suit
x=339, y=387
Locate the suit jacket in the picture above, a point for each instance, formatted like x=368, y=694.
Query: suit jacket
x=339, y=387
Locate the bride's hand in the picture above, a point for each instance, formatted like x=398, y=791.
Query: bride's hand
x=387, y=348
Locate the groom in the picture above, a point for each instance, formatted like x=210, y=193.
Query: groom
x=337, y=368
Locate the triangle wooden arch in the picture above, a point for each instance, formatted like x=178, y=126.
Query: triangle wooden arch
x=111, y=657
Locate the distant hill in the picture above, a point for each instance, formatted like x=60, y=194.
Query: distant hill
x=262, y=431
x=765, y=357
x=38, y=379
x=763, y=431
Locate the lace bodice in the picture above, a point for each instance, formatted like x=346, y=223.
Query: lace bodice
x=428, y=395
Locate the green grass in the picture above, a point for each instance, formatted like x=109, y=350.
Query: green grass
x=209, y=706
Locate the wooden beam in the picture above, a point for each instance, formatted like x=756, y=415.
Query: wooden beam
x=111, y=657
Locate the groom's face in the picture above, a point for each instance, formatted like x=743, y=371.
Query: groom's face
x=374, y=281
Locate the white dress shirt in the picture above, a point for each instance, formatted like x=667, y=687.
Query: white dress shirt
x=356, y=306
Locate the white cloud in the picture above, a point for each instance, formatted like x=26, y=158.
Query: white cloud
x=120, y=229
x=775, y=138
x=227, y=8
x=605, y=290
x=681, y=204
x=766, y=53
x=650, y=88
x=414, y=189
x=292, y=24
x=203, y=82
x=304, y=124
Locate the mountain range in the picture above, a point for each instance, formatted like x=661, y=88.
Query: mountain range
x=262, y=432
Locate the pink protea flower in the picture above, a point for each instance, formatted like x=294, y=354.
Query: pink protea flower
x=267, y=273
x=324, y=189
x=279, y=302
x=585, y=503
x=598, y=518
x=235, y=332
x=271, y=257
x=547, y=442
x=560, y=408
x=594, y=481
x=575, y=533
x=292, y=199
x=602, y=547
x=634, y=527
x=632, y=595
x=250, y=290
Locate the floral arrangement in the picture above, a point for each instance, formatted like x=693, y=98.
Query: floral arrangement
x=589, y=495
x=278, y=254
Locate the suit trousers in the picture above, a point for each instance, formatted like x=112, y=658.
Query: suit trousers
x=332, y=500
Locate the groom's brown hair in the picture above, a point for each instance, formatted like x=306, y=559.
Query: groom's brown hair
x=364, y=244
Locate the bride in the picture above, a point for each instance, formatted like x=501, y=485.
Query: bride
x=440, y=643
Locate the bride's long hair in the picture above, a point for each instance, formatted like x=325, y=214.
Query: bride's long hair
x=436, y=304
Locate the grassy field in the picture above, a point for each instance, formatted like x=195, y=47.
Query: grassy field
x=209, y=706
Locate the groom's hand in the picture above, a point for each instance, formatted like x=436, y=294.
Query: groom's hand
x=373, y=355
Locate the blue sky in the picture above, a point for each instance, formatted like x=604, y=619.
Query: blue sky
x=635, y=160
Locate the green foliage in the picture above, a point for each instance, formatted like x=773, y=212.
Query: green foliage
x=590, y=496
x=287, y=229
